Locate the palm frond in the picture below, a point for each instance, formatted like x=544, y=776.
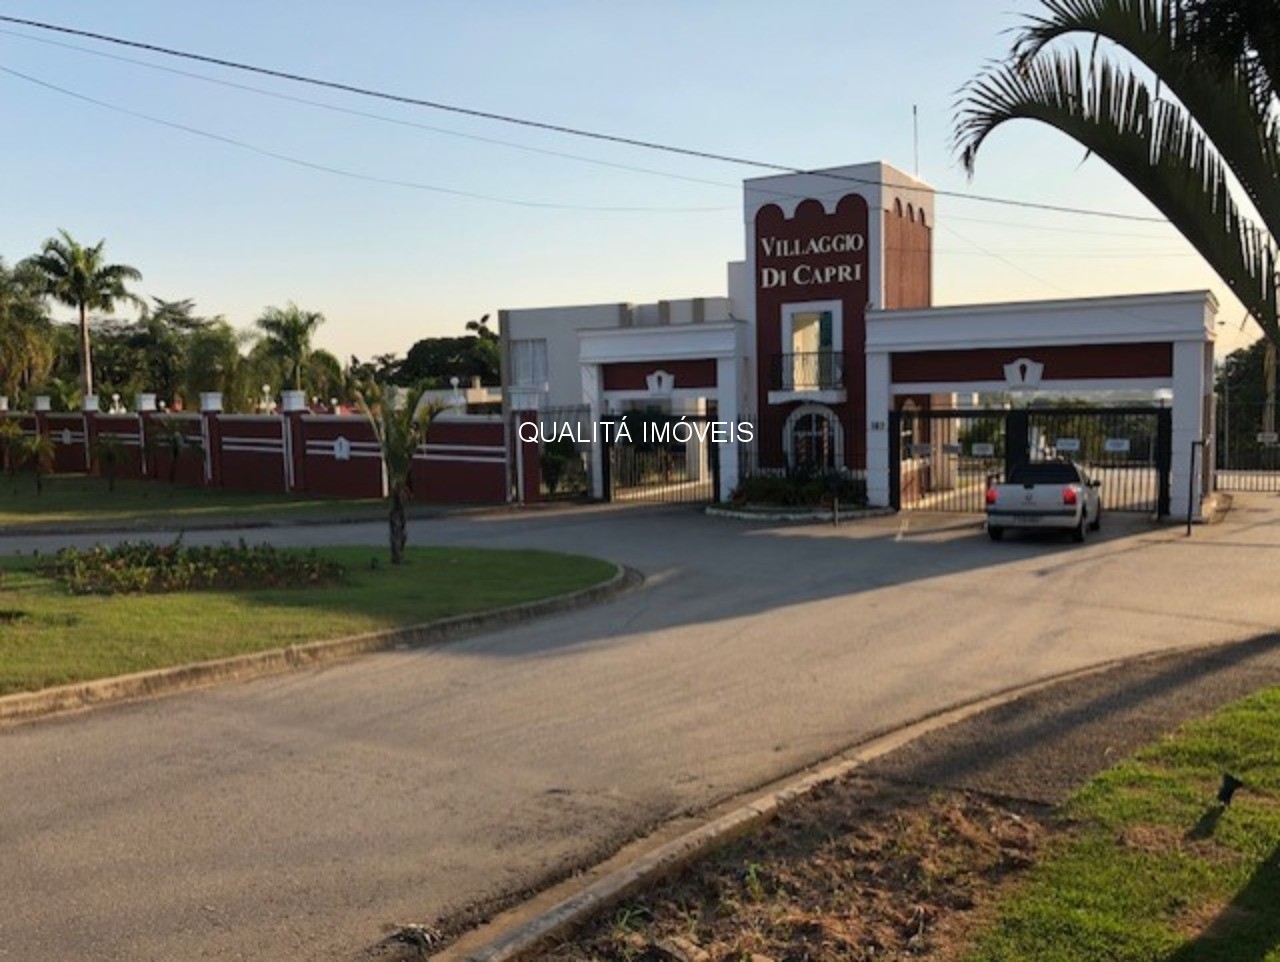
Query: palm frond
x=1220, y=92
x=1153, y=144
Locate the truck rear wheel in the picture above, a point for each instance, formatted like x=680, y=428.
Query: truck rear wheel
x=1079, y=531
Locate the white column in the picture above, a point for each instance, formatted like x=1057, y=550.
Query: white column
x=1188, y=426
x=695, y=450
x=591, y=397
x=727, y=410
x=879, y=403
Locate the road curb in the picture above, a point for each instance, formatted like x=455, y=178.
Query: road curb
x=29, y=706
x=516, y=934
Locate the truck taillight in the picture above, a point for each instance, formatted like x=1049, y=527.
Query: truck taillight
x=991, y=495
x=1069, y=496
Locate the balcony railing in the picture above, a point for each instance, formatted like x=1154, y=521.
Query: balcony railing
x=816, y=371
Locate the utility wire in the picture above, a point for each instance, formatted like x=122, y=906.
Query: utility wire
x=562, y=128
x=417, y=125
x=341, y=172
x=368, y=115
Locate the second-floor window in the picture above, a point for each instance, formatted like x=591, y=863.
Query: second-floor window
x=529, y=362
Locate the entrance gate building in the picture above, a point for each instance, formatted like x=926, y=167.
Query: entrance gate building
x=924, y=368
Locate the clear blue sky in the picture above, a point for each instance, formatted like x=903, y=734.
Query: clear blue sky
x=814, y=83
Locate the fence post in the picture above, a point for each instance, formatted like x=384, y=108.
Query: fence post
x=1191, y=484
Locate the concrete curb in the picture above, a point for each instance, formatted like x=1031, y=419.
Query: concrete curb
x=515, y=935
x=854, y=514
x=29, y=706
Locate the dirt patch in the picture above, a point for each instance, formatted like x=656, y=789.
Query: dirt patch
x=862, y=870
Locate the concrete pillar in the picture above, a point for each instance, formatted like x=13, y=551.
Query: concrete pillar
x=1188, y=427
x=727, y=410
x=593, y=398
x=697, y=463
x=879, y=404
x=294, y=401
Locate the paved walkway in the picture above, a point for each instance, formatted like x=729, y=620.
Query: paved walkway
x=298, y=816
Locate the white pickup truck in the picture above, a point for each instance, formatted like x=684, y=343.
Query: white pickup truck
x=1045, y=495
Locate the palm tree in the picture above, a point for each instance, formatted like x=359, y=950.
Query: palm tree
x=79, y=277
x=288, y=331
x=400, y=428
x=1219, y=60
x=26, y=336
x=38, y=451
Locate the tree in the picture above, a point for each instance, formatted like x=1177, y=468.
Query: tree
x=324, y=377
x=108, y=454
x=38, y=451
x=481, y=329
x=80, y=277
x=11, y=442
x=1219, y=59
x=288, y=333
x=400, y=428
x=26, y=336
x=213, y=363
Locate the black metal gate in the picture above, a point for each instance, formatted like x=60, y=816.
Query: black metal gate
x=1247, y=448
x=652, y=457
x=944, y=460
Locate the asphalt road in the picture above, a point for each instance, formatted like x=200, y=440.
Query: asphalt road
x=300, y=816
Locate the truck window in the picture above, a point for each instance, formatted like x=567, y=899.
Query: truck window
x=1045, y=472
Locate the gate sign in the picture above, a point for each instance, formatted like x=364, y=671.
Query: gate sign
x=983, y=449
x=1068, y=444
x=921, y=450
x=1116, y=445
x=1268, y=437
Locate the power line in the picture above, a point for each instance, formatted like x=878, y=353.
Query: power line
x=562, y=128
x=368, y=115
x=341, y=172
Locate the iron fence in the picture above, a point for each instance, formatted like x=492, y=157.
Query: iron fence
x=945, y=460
x=1247, y=449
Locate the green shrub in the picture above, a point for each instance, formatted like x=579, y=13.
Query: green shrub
x=800, y=489
x=148, y=568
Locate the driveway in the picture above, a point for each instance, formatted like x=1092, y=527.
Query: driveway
x=300, y=816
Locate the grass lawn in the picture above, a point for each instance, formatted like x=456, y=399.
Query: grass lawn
x=1151, y=869
x=49, y=637
x=76, y=498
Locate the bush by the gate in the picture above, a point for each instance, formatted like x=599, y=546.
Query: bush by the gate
x=800, y=490
x=149, y=568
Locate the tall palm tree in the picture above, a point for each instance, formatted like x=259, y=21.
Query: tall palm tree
x=79, y=277
x=1219, y=60
x=289, y=331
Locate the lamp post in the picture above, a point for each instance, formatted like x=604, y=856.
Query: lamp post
x=265, y=403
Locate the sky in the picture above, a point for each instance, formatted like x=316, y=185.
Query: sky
x=229, y=207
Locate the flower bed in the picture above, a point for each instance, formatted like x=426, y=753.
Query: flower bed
x=149, y=568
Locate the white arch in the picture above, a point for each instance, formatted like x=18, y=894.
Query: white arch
x=837, y=431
